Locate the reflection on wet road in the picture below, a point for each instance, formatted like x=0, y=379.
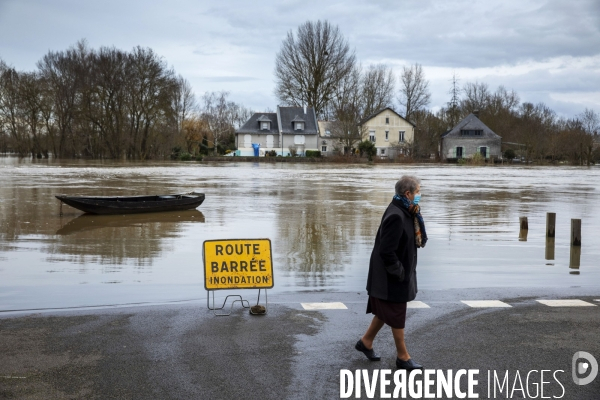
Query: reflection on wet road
x=321, y=220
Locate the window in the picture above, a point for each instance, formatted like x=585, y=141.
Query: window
x=471, y=132
x=387, y=120
x=299, y=139
x=327, y=133
x=264, y=126
x=383, y=152
x=269, y=141
x=323, y=149
x=299, y=126
x=401, y=136
x=372, y=136
x=387, y=135
x=247, y=140
x=459, y=152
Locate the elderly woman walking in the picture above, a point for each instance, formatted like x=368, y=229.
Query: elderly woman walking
x=392, y=280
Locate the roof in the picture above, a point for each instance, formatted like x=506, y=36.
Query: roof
x=284, y=119
x=264, y=118
x=471, y=122
x=324, y=126
x=253, y=124
x=288, y=115
x=365, y=119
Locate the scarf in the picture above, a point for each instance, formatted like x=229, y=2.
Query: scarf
x=415, y=211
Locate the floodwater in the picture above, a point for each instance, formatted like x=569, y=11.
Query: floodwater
x=321, y=219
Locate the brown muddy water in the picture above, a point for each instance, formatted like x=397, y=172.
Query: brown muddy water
x=321, y=220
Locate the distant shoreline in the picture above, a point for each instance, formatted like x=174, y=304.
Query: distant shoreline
x=305, y=160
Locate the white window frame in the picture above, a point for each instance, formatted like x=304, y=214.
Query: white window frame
x=383, y=152
x=264, y=126
x=327, y=133
x=323, y=149
x=387, y=136
x=401, y=136
x=299, y=126
x=372, y=136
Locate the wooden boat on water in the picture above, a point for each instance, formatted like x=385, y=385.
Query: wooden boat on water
x=133, y=204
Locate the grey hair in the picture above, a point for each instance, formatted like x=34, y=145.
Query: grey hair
x=407, y=183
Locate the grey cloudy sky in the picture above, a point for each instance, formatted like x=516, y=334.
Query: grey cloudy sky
x=546, y=50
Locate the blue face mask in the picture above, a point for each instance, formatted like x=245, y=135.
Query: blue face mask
x=417, y=199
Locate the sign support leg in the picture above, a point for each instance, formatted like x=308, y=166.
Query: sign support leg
x=214, y=308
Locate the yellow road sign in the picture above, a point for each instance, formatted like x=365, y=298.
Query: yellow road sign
x=238, y=264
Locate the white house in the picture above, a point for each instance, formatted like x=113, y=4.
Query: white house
x=289, y=127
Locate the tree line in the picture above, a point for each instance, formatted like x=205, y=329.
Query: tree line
x=316, y=67
x=109, y=103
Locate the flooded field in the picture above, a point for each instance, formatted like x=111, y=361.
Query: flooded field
x=321, y=220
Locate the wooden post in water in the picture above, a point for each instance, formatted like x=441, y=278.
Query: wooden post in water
x=523, y=229
x=576, y=232
x=550, y=248
x=575, y=256
x=523, y=223
x=550, y=225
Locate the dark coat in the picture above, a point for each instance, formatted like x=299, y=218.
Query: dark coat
x=395, y=249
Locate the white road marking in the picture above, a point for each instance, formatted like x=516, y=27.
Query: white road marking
x=485, y=303
x=416, y=304
x=566, y=303
x=324, y=306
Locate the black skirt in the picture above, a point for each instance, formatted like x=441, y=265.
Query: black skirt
x=392, y=314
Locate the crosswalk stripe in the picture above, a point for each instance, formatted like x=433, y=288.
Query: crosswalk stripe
x=324, y=306
x=416, y=304
x=566, y=303
x=485, y=303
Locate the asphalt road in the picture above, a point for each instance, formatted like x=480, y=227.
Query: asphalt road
x=182, y=351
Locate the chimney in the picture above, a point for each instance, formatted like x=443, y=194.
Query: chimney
x=476, y=113
x=304, y=110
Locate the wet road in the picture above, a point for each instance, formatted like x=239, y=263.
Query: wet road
x=182, y=351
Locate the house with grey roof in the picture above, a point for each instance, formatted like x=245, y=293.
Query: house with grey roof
x=470, y=136
x=288, y=128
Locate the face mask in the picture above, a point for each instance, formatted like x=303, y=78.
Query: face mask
x=417, y=199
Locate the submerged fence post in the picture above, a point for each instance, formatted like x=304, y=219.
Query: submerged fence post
x=550, y=225
x=575, y=256
x=523, y=223
x=576, y=232
x=550, y=244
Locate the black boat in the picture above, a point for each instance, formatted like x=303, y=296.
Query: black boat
x=133, y=204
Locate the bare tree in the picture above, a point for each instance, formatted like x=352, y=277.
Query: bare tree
x=184, y=101
x=477, y=97
x=590, y=121
x=220, y=115
x=414, y=90
x=11, y=113
x=377, y=89
x=310, y=65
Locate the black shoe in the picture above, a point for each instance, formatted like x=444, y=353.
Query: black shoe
x=369, y=353
x=408, y=365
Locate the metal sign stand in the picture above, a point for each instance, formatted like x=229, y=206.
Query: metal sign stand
x=244, y=303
